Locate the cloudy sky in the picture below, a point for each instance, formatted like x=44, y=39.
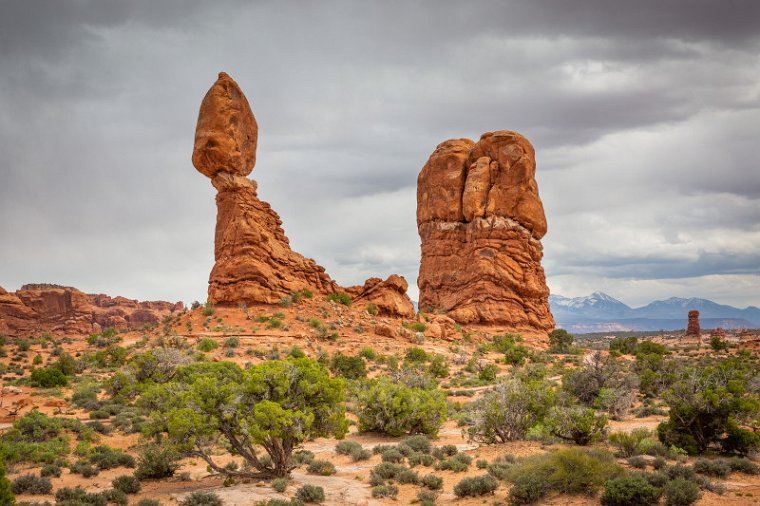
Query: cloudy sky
x=645, y=117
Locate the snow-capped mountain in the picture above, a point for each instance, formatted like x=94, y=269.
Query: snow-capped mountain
x=596, y=305
x=601, y=312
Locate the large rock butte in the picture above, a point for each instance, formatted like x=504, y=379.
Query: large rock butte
x=38, y=308
x=254, y=262
x=480, y=220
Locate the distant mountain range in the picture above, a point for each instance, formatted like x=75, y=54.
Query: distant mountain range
x=599, y=312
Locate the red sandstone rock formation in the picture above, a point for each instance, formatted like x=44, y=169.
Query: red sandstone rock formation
x=388, y=296
x=254, y=262
x=481, y=220
x=692, y=328
x=37, y=308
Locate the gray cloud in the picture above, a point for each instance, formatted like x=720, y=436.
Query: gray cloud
x=643, y=116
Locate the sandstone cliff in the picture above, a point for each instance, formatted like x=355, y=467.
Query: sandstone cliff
x=37, y=308
x=480, y=220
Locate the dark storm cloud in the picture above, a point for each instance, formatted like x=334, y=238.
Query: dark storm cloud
x=643, y=114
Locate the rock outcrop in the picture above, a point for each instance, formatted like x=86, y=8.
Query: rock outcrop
x=37, y=308
x=480, y=220
x=389, y=296
x=254, y=262
x=692, y=326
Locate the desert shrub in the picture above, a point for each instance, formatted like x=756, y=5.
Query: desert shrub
x=127, y=484
x=418, y=443
x=630, y=490
x=311, y=494
x=86, y=397
x=397, y=409
x=516, y=355
x=115, y=496
x=208, y=309
x=232, y=342
x=441, y=452
x=384, y=471
x=681, y=492
x=280, y=484
x=560, y=341
x=476, y=486
x=407, y=476
x=340, y=298
x=368, y=353
x=659, y=463
x=439, y=367
x=105, y=457
x=31, y=484
x=346, y=447
x=680, y=471
x=48, y=377
x=77, y=496
x=743, y=465
x=392, y=455
x=321, y=468
x=202, y=499
x=415, y=354
x=499, y=468
x=528, y=489
x=569, y=470
x=637, y=461
x=156, y=461
x=360, y=454
x=207, y=344
x=577, y=424
x=350, y=367
x=390, y=491
x=427, y=497
x=419, y=458
x=506, y=412
x=84, y=468
x=458, y=463
x=281, y=502
x=296, y=352
x=712, y=467
x=51, y=470
x=147, y=502
x=6, y=495
x=432, y=482
x=631, y=443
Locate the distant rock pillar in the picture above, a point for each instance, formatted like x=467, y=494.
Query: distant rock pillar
x=692, y=328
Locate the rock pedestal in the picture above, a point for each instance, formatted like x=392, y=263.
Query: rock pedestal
x=692, y=327
x=254, y=262
x=480, y=220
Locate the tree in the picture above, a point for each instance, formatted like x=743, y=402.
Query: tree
x=396, y=408
x=560, y=340
x=276, y=405
x=506, y=412
x=710, y=404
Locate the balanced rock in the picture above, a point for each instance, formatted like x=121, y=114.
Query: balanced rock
x=389, y=296
x=692, y=326
x=480, y=220
x=254, y=262
x=37, y=308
